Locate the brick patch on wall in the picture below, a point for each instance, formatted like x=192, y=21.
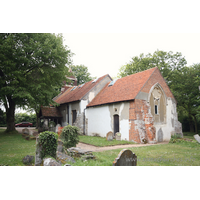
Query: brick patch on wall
x=141, y=126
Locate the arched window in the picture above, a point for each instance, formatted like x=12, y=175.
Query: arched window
x=158, y=104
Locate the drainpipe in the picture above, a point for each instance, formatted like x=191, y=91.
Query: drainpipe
x=84, y=121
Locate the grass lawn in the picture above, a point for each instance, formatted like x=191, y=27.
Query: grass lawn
x=177, y=154
x=13, y=148
x=101, y=142
x=184, y=153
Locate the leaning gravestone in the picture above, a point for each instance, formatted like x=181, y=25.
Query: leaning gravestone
x=125, y=158
x=118, y=136
x=197, y=138
x=109, y=136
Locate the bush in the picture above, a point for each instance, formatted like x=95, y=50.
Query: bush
x=49, y=142
x=69, y=135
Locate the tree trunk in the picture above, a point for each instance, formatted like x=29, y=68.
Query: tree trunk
x=195, y=121
x=191, y=124
x=10, y=116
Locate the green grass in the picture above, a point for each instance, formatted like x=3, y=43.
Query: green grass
x=183, y=153
x=101, y=142
x=13, y=148
x=177, y=154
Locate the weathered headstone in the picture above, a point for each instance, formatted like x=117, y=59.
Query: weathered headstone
x=197, y=138
x=38, y=160
x=109, y=136
x=160, y=135
x=78, y=152
x=118, y=136
x=50, y=162
x=62, y=158
x=125, y=158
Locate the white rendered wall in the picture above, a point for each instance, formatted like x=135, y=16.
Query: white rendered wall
x=168, y=128
x=99, y=120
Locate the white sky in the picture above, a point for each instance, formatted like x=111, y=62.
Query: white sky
x=105, y=53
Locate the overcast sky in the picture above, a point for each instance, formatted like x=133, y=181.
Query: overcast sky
x=105, y=53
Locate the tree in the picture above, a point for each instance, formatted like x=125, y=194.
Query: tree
x=31, y=66
x=81, y=73
x=186, y=91
x=167, y=62
x=2, y=118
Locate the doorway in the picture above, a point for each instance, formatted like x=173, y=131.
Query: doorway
x=116, y=124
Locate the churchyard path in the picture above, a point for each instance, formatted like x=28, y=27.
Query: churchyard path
x=98, y=149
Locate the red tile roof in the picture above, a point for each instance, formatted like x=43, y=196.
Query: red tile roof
x=47, y=111
x=124, y=89
x=78, y=93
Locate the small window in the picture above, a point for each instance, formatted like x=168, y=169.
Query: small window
x=73, y=88
x=156, y=109
x=112, y=82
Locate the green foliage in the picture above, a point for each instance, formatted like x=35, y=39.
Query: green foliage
x=49, y=142
x=25, y=117
x=32, y=66
x=52, y=124
x=81, y=73
x=69, y=135
x=167, y=62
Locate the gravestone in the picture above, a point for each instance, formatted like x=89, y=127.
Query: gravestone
x=62, y=158
x=78, y=152
x=125, y=158
x=58, y=125
x=160, y=135
x=38, y=160
x=118, y=136
x=197, y=138
x=109, y=136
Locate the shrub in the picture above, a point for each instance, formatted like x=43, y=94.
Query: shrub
x=69, y=135
x=49, y=142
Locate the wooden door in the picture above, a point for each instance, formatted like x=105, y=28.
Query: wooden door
x=116, y=124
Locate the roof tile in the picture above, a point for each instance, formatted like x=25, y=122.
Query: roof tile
x=124, y=89
x=77, y=94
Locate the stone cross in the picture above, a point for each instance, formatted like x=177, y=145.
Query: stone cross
x=125, y=158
